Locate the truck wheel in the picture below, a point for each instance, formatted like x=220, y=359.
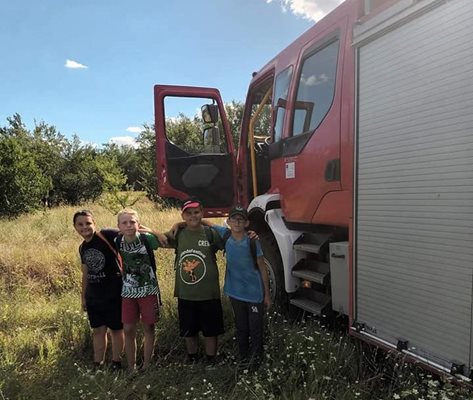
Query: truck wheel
x=272, y=259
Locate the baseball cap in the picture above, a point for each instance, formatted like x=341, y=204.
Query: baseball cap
x=191, y=203
x=238, y=210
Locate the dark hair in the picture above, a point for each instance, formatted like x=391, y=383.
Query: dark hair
x=81, y=213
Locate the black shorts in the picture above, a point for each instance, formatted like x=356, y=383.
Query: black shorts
x=205, y=316
x=107, y=313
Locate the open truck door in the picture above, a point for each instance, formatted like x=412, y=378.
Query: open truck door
x=194, y=147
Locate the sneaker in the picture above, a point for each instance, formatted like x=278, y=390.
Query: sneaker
x=192, y=358
x=211, y=363
x=115, y=366
x=96, y=366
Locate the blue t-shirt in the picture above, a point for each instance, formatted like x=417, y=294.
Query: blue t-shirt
x=242, y=277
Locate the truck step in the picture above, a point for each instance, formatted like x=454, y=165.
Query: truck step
x=310, y=305
x=308, y=247
x=310, y=275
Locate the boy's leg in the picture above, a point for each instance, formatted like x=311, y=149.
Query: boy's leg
x=189, y=326
x=148, y=345
x=130, y=316
x=211, y=324
x=99, y=340
x=256, y=324
x=192, y=344
x=240, y=312
x=210, y=344
x=118, y=342
x=130, y=345
x=148, y=310
x=114, y=323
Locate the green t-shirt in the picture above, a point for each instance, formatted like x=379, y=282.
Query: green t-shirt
x=140, y=279
x=196, y=269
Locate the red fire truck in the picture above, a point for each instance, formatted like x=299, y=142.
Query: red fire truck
x=355, y=159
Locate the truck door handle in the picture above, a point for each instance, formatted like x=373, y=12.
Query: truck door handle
x=333, y=255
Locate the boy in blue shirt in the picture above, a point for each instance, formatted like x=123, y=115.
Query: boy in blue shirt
x=246, y=284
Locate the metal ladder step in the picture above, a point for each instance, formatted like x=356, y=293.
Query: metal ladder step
x=308, y=247
x=309, y=275
x=309, y=305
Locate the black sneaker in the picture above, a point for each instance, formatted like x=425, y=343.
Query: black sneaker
x=211, y=363
x=96, y=366
x=192, y=358
x=116, y=366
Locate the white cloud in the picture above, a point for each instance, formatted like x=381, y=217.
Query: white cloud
x=314, y=80
x=309, y=9
x=74, y=65
x=134, y=129
x=123, y=141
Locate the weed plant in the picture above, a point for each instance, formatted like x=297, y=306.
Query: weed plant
x=46, y=350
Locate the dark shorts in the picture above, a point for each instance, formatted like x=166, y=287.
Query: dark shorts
x=205, y=316
x=107, y=313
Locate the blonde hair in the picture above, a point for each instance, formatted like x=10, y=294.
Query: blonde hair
x=128, y=211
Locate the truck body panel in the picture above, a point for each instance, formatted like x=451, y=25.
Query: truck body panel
x=414, y=198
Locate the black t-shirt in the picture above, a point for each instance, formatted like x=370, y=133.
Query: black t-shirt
x=103, y=273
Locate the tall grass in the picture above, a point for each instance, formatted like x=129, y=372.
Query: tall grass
x=45, y=344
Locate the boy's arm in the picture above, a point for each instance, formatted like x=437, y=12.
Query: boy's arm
x=181, y=225
x=206, y=222
x=264, y=276
x=162, y=238
x=172, y=232
x=83, y=286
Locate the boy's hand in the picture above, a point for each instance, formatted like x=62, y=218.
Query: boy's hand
x=163, y=240
x=253, y=235
x=175, y=228
x=143, y=228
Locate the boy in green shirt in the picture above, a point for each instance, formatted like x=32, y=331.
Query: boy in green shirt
x=140, y=290
x=197, y=283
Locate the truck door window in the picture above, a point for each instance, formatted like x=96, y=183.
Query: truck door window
x=260, y=131
x=186, y=128
x=281, y=88
x=316, y=89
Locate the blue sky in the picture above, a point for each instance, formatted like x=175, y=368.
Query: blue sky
x=88, y=67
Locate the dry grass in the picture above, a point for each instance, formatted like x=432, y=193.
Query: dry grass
x=39, y=251
x=45, y=344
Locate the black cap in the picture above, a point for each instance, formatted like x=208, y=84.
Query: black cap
x=238, y=210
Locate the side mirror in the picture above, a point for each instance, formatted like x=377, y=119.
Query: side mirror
x=212, y=140
x=209, y=113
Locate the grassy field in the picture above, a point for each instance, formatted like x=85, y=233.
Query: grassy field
x=45, y=344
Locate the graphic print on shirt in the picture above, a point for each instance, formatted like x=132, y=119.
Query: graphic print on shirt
x=139, y=280
x=192, y=266
x=95, y=261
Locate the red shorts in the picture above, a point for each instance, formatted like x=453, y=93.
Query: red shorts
x=146, y=307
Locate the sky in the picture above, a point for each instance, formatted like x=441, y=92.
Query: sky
x=88, y=67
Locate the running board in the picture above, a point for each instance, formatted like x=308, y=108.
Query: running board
x=309, y=275
x=310, y=305
x=307, y=247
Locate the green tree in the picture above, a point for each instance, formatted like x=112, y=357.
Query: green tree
x=114, y=197
x=146, y=154
x=234, y=111
x=22, y=184
x=128, y=160
x=79, y=180
x=186, y=133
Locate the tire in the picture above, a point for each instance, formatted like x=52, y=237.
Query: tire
x=272, y=259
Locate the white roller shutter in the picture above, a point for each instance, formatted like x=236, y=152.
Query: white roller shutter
x=414, y=195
